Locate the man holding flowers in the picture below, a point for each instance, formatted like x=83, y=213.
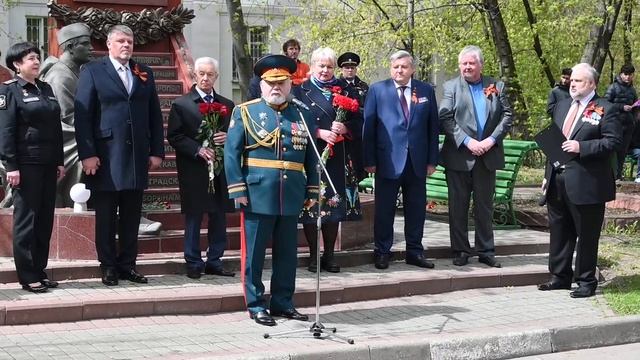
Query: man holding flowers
x=197, y=128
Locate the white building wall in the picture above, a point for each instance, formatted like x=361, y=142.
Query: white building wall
x=13, y=21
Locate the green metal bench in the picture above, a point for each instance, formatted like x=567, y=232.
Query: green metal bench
x=504, y=214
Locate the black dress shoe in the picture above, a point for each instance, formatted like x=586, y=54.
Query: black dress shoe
x=381, y=261
x=461, y=260
x=313, y=265
x=263, y=318
x=490, y=261
x=582, y=292
x=194, y=273
x=49, y=283
x=35, y=288
x=290, y=314
x=329, y=264
x=554, y=285
x=109, y=277
x=209, y=270
x=133, y=276
x=420, y=261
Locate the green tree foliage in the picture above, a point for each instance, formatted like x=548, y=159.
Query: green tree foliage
x=376, y=28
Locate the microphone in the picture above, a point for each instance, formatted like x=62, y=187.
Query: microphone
x=298, y=103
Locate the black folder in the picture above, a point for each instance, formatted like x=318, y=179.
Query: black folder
x=550, y=141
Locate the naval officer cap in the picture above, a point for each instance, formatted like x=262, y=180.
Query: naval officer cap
x=348, y=59
x=275, y=67
x=73, y=31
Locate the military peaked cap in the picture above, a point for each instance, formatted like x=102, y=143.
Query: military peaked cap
x=349, y=58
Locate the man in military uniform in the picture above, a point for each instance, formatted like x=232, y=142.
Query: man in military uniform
x=349, y=80
x=355, y=89
x=265, y=155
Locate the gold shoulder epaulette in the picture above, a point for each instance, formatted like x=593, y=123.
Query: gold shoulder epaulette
x=251, y=102
x=10, y=81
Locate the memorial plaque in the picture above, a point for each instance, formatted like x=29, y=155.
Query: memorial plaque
x=163, y=181
x=168, y=197
x=154, y=60
x=168, y=164
x=165, y=102
x=165, y=74
x=169, y=88
x=168, y=149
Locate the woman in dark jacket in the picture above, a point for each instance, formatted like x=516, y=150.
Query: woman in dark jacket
x=342, y=205
x=31, y=152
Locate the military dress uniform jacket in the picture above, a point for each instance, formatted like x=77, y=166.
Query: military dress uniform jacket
x=265, y=155
x=30, y=131
x=193, y=174
x=121, y=129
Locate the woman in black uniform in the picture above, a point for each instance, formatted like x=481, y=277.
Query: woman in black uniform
x=31, y=152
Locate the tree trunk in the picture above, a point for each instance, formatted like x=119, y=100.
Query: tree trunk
x=626, y=43
x=531, y=19
x=595, y=51
x=507, y=68
x=244, y=63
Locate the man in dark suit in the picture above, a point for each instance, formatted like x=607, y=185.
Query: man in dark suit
x=192, y=157
x=400, y=138
x=576, y=192
x=476, y=116
x=119, y=135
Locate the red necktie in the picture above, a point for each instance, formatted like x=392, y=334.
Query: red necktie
x=571, y=119
x=403, y=103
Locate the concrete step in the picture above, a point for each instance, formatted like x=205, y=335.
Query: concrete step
x=162, y=255
x=176, y=294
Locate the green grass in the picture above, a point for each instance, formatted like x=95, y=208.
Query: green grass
x=620, y=252
x=530, y=176
x=623, y=295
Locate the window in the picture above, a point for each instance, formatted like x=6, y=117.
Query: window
x=257, y=42
x=37, y=34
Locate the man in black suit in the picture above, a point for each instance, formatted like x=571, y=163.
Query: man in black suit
x=119, y=135
x=576, y=192
x=193, y=153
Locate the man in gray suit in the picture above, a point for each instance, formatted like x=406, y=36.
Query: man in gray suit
x=475, y=115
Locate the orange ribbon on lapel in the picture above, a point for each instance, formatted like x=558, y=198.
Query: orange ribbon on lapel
x=139, y=73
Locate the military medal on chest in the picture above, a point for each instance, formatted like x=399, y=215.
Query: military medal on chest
x=299, y=136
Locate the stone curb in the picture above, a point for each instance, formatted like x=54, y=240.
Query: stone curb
x=607, y=332
x=210, y=300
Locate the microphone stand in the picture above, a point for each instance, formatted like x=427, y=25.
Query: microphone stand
x=317, y=329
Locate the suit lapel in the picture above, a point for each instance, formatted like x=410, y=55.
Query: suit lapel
x=321, y=103
x=488, y=102
x=111, y=70
x=579, y=122
x=411, y=104
x=134, y=78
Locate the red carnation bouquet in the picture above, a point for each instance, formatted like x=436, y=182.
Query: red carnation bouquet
x=212, y=115
x=343, y=105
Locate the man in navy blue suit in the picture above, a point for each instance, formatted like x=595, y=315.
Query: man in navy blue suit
x=400, y=140
x=119, y=135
